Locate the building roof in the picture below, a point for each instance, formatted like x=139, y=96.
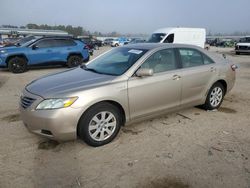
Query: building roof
x=17, y=31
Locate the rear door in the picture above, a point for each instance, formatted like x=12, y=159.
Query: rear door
x=198, y=74
x=63, y=48
x=162, y=91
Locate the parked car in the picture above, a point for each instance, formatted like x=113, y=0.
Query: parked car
x=135, y=41
x=9, y=42
x=89, y=45
x=108, y=41
x=119, y=42
x=44, y=50
x=243, y=46
x=124, y=85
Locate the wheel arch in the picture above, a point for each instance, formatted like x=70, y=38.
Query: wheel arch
x=115, y=103
x=16, y=55
x=224, y=83
x=74, y=53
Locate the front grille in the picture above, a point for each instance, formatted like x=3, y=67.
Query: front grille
x=244, y=48
x=26, y=101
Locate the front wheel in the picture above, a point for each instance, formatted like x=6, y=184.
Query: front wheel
x=100, y=124
x=215, y=97
x=17, y=65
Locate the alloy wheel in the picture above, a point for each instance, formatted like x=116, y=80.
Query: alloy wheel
x=102, y=126
x=216, y=96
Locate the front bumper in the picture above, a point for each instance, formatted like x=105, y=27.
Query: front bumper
x=2, y=64
x=242, y=51
x=58, y=124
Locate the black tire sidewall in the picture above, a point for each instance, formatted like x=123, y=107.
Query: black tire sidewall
x=18, y=60
x=83, y=131
x=208, y=105
x=71, y=59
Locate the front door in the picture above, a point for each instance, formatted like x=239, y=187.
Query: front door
x=162, y=91
x=44, y=51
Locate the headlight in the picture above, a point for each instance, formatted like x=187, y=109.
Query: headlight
x=2, y=51
x=56, y=103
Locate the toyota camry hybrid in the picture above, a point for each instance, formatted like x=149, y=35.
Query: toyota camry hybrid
x=124, y=85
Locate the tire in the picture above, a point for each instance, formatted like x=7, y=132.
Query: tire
x=105, y=122
x=74, y=61
x=17, y=65
x=237, y=53
x=215, y=97
x=116, y=45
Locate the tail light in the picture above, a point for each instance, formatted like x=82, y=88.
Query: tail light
x=234, y=67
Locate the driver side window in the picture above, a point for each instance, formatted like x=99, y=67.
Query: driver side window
x=161, y=61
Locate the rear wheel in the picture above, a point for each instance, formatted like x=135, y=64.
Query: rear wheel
x=215, y=97
x=100, y=124
x=74, y=61
x=17, y=65
x=237, y=53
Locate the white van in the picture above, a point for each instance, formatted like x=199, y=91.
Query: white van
x=193, y=36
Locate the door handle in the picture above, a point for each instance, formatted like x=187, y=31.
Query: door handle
x=176, y=77
x=212, y=69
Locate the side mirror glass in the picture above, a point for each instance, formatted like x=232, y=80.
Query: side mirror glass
x=144, y=72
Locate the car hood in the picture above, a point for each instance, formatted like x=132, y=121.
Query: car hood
x=243, y=44
x=67, y=83
x=9, y=48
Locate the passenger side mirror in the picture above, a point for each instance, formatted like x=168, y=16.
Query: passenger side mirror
x=144, y=72
x=34, y=47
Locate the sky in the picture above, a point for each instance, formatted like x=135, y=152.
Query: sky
x=130, y=16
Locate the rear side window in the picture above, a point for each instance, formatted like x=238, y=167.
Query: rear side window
x=63, y=42
x=207, y=60
x=46, y=43
x=190, y=58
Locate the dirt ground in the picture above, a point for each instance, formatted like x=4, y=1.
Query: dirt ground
x=189, y=148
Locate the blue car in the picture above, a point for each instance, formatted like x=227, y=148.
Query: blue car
x=44, y=50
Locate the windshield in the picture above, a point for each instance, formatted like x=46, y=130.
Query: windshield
x=116, y=61
x=245, y=40
x=156, y=37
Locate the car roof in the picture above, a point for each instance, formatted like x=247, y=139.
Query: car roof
x=151, y=46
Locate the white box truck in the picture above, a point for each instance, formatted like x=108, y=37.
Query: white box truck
x=180, y=35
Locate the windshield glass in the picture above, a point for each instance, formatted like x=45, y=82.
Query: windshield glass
x=156, y=37
x=26, y=41
x=116, y=61
x=246, y=40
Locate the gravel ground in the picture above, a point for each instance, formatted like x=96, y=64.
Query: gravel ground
x=189, y=148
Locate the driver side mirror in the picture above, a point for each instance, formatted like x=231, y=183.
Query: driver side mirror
x=34, y=47
x=144, y=72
